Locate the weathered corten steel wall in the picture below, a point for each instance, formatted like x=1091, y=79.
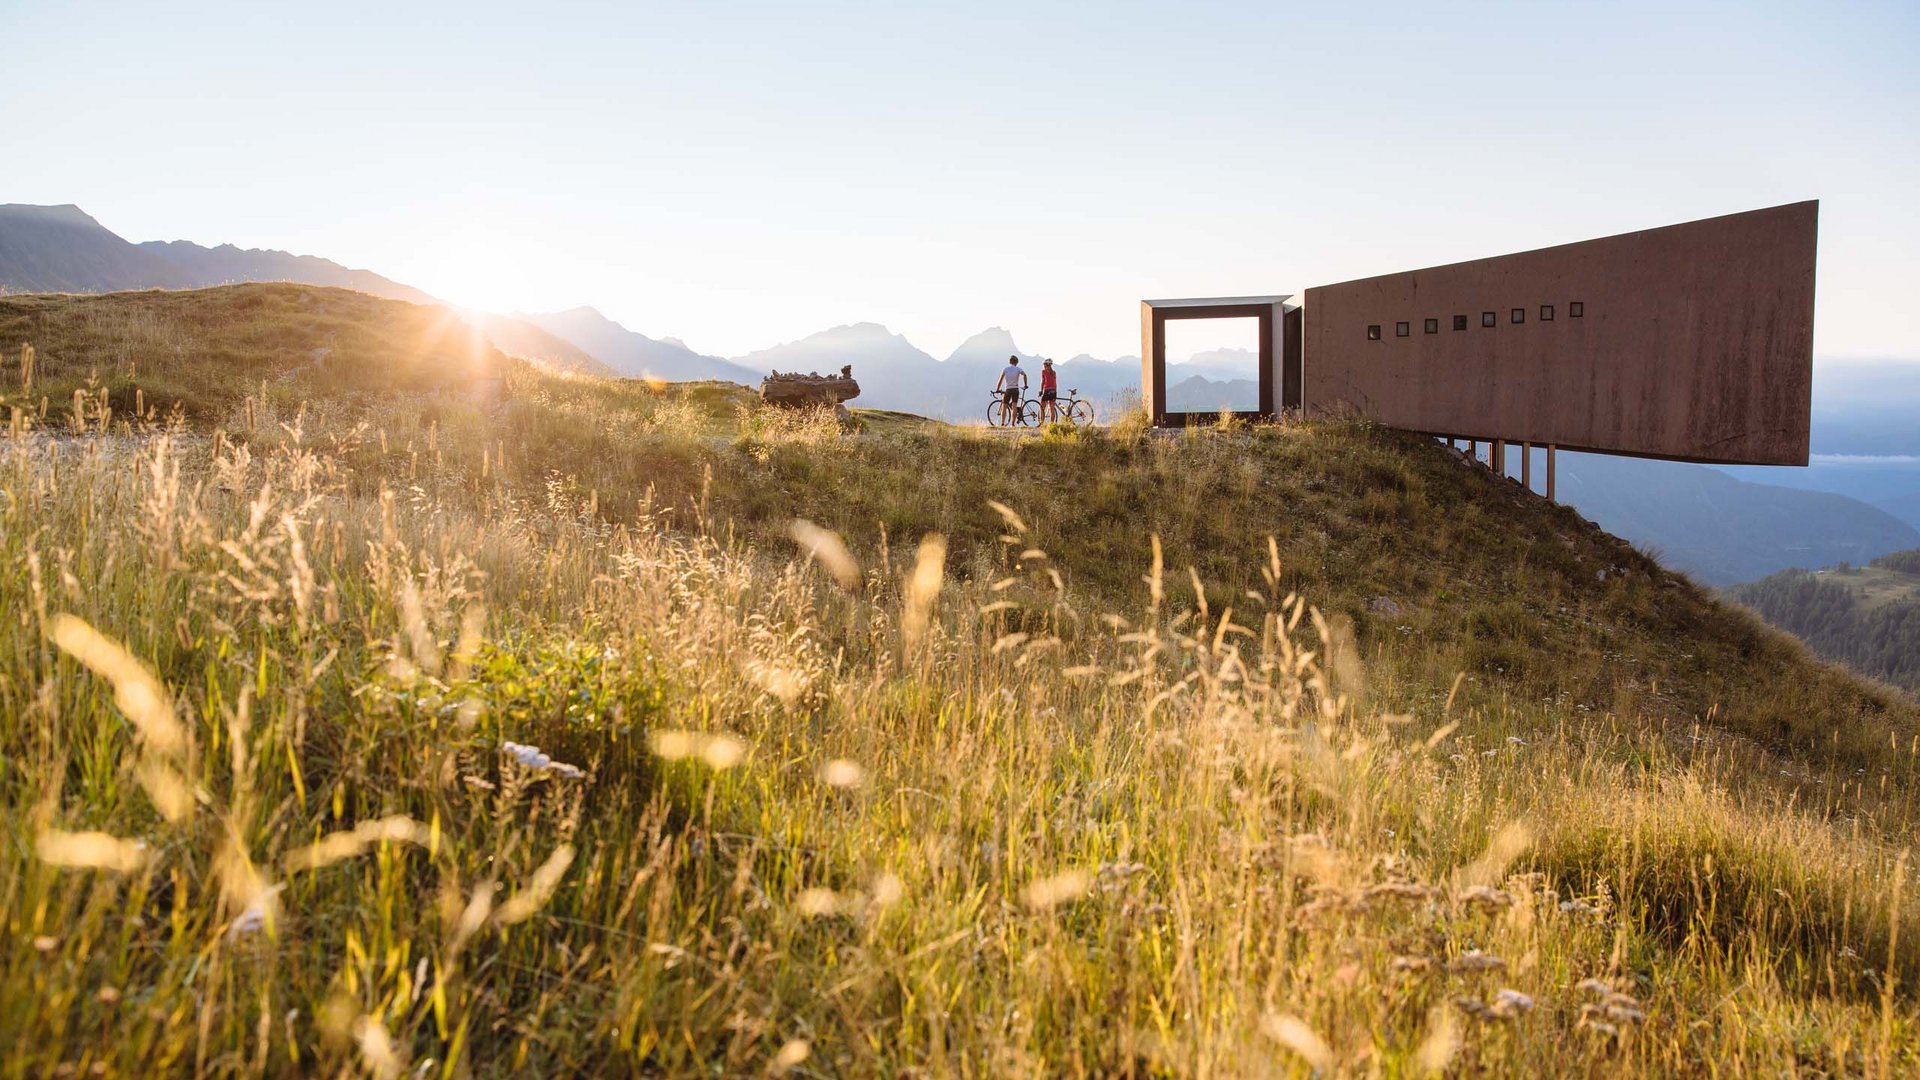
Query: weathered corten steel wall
x=1693, y=342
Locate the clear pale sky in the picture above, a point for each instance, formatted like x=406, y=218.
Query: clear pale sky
x=741, y=174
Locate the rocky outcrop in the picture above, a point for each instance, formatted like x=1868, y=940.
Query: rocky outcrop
x=796, y=391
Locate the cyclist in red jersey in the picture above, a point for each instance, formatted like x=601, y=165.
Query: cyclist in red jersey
x=1049, y=391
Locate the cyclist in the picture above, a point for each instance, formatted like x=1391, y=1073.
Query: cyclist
x=1012, y=381
x=1049, y=391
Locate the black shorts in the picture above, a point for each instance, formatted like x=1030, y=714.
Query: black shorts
x=1011, y=395
x=1049, y=395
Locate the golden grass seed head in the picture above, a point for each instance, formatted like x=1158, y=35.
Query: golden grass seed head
x=90, y=851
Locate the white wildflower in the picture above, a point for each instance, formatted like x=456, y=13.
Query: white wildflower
x=534, y=758
x=1509, y=1003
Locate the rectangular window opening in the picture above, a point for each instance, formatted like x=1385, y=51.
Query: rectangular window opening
x=1488, y=318
x=1373, y=332
x=1212, y=364
x=1431, y=326
x=1576, y=310
x=1546, y=312
x=1519, y=315
x=1401, y=329
x=1459, y=322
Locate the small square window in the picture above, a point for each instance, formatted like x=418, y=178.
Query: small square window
x=1401, y=329
x=1373, y=332
x=1432, y=326
x=1576, y=310
x=1459, y=322
x=1519, y=315
x=1546, y=312
x=1488, y=318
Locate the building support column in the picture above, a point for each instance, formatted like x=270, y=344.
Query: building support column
x=1526, y=465
x=1550, y=449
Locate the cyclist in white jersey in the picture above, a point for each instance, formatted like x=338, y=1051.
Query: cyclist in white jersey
x=1012, y=381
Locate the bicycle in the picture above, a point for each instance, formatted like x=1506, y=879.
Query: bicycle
x=1072, y=410
x=1002, y=414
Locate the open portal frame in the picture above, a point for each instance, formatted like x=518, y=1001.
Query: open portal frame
x=1272, y=313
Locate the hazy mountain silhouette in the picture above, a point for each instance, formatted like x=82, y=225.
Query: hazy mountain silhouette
x=226, y=264
x=1199, y=394
x=1721, y=529
x=521, y=338
x=892, y=373
x=634, y=354
x=62, y=249
x=1866, y=436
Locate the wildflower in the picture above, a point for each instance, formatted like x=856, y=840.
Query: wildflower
x=1628, y=1014
x=1470, y=1005
x=534, y=758
x=1509, y=1003
x=1474, y=960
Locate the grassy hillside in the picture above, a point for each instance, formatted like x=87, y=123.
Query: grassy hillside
x=359, y=725
x=1867, y=617
x=204, y=351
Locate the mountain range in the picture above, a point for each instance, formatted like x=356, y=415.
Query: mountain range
x=1724, y=525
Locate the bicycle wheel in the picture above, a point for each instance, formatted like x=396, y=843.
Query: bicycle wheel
x=1081, y=411
x=1030, y=412
x=997, y=413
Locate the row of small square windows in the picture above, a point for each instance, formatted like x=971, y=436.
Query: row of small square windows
x=1575, y=310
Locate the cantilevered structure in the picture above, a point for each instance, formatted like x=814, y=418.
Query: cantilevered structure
x=1692, y=342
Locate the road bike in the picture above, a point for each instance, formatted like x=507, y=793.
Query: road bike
x=1072, y=410
x=1002, y=414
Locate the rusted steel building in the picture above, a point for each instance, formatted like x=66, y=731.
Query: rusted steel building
x=1692, y=342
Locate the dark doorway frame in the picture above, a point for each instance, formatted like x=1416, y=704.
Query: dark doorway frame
x=1271, y=313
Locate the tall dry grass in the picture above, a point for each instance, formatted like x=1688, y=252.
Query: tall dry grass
x=376, y=740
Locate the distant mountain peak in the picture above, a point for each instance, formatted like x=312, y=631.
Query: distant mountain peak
x=59, y=213
x=995, y=342
x=859, y=333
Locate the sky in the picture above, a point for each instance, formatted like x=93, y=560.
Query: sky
x=742, y=174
